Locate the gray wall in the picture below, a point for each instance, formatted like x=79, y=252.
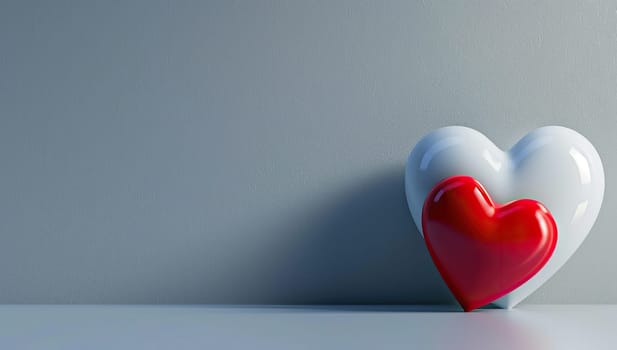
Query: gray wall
x=253, y=151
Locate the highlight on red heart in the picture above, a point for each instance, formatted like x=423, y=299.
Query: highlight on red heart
x=484, y=250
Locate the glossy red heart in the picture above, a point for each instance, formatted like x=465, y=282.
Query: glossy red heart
x=484, y=250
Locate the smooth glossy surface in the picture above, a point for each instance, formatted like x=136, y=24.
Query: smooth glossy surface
x=530, y=327
x=484, y=250
x=553, y=165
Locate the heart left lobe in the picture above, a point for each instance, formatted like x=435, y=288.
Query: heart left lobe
x=483, y=250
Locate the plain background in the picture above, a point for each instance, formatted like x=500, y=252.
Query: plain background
x=253, y=151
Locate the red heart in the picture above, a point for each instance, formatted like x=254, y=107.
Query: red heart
x=482, y=250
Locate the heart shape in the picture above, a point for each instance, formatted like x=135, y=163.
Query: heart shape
x=553, y=165
x=483, y=250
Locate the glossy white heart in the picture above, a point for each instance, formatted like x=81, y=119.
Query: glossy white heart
x=554, y=165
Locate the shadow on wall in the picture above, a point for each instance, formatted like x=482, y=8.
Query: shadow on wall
x=360, y=248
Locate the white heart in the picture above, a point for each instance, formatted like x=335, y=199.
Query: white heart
x=554, y=165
